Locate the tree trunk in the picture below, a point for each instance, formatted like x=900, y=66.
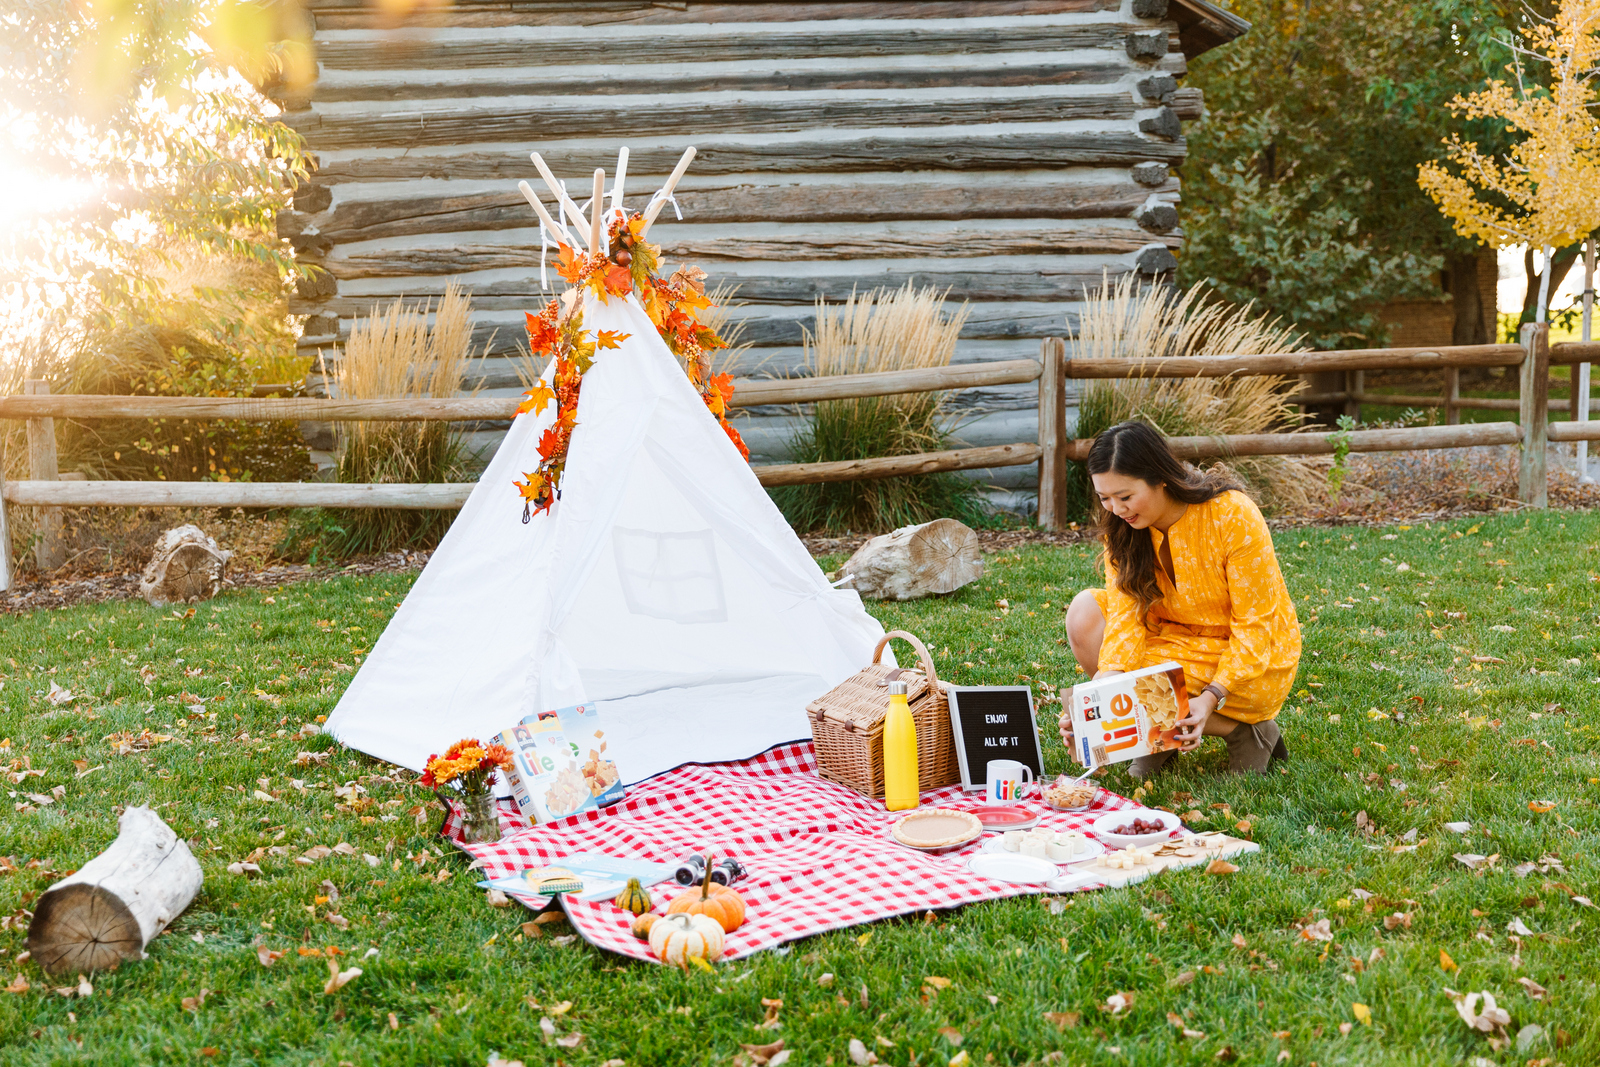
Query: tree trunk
x=1563, y=261
x=916, y=561
x=187, y=565
x=111, y=909
x=1467, y=301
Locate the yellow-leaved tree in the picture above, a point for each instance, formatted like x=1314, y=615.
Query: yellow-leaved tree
x=1545, y=191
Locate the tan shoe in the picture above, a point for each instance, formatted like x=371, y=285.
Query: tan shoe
x=1254, y=746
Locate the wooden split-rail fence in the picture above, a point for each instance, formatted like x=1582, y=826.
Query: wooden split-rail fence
x=1534, y=355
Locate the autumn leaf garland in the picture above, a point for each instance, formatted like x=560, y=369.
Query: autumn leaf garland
x=673, y=305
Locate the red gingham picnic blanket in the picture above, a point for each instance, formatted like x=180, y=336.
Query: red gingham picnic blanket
x=820, y=856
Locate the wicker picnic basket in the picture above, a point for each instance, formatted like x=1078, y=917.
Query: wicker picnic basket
x=847, y=724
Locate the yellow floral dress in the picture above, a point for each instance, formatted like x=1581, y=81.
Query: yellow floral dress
x=1228, y=621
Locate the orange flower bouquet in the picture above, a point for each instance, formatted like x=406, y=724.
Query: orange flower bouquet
x=467, y=769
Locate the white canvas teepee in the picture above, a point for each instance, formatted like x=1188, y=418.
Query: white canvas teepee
x=663, y=586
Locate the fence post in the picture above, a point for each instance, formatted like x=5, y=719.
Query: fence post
x=1533, y=413
x=48, y=554
x=1452, y=394
x=1053, y=434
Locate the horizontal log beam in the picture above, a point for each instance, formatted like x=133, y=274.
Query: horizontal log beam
x=309, y=409
x=709, y=203
x=1574, y=431
x=749, y=392
x=1474, y=403
x=1467, y=435
x=1044, y=241
x=555, y=118
x=1569, y=352
x=961, y=459
x=1299, y=362
x=236, y=495
x=873, y=153
x=455, y=51
x=645, y=80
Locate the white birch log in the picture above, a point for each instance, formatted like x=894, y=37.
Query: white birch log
x=187, y=565
x=111, y=909
x=916, y=561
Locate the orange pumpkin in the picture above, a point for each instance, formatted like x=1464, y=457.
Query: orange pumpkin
x=714, y=901
x=641, y=925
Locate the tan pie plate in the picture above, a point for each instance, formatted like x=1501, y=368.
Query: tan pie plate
x=937, y=829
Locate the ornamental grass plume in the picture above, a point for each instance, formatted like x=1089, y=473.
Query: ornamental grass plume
x=1550, y=178
x=1157, y=323
x=883, y=330
x=394, y=354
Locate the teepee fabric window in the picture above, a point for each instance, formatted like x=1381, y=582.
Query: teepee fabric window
x=671, y=576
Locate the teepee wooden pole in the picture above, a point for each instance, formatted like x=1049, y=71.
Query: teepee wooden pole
x=597, y=210
x=544, y=216
x=666, y=190
x=562, y=198
x=621, y=176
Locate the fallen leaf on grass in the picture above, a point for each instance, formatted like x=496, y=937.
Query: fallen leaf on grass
x=1117, y=1003
x=58, y=695
x=1362, y=1013
x=338, y=979
x=1062, y=1020
x=267, y=956
x=960, y=1059
x=859, y=1054
x=1492, y=1017
x=1321, y=930
x=196, y=1003
x=1181, y=979
x=825, y=979
x=765, y=1054
x=1398, y=919
x=244, y=868
x=1535, y=990
x=498, y=899
x=1585, y=901
x=19, y=984
x=1458, y=827
x=1541, y=806
x=1220, y=866
x=1518, y=927
x=951, y=1034
x=572, y=1040
x=1446, y=964
x=1474, y=862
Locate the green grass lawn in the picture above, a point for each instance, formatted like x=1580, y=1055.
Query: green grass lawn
x=1395, y=729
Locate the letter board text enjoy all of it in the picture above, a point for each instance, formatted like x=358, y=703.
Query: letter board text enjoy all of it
x=993, y=722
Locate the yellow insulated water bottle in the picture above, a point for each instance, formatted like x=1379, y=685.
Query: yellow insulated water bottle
x=899, y=752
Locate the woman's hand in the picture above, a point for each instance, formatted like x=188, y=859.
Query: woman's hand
x=1193, y=729
x=1065, y=723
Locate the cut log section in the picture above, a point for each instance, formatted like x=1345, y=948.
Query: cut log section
x=111, y=909
x=916, y=561
x=187, y=565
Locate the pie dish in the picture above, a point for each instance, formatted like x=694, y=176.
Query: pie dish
x=937, y=829
x=1005, y=817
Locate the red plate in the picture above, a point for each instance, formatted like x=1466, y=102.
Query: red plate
x=1004, y=817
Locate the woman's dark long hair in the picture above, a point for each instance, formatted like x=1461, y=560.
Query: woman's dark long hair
x=1137, y=450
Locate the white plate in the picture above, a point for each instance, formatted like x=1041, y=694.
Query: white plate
x=1092, y=848
x=1012, y=867
x=1104, y=824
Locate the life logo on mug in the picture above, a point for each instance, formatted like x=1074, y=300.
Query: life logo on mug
x=1008, y=780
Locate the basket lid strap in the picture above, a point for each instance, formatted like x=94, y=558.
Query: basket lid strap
x=922, y=653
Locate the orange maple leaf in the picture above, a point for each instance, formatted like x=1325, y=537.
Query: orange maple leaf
x=723, y=383
x=619, y=280
x=738, y=442
x=534, y=486
x=549, y=443
x=571, y=264
x=539, y=398
x=610, y=338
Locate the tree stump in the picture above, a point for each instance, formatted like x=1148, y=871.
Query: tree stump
x=187, y=566
x=111, y=909
x=916, y=561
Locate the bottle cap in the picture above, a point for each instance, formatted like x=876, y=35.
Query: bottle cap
x=897, y=688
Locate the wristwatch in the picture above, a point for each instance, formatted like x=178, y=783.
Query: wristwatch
x=1216, y=691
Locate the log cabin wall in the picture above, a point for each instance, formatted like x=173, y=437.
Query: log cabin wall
x=1013, y=153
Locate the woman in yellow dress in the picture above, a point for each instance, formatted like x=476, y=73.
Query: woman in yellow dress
x=1191, y=576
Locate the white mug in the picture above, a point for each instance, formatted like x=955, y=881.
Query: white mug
x=1007, y=778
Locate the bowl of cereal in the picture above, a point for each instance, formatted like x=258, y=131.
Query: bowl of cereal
x=1136, y=827
x=1070, y=794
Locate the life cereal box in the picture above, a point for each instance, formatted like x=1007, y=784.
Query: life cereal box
x=559, y=763
x=1128, y=715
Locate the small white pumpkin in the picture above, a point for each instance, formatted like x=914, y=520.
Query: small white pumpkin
x=678, y=938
